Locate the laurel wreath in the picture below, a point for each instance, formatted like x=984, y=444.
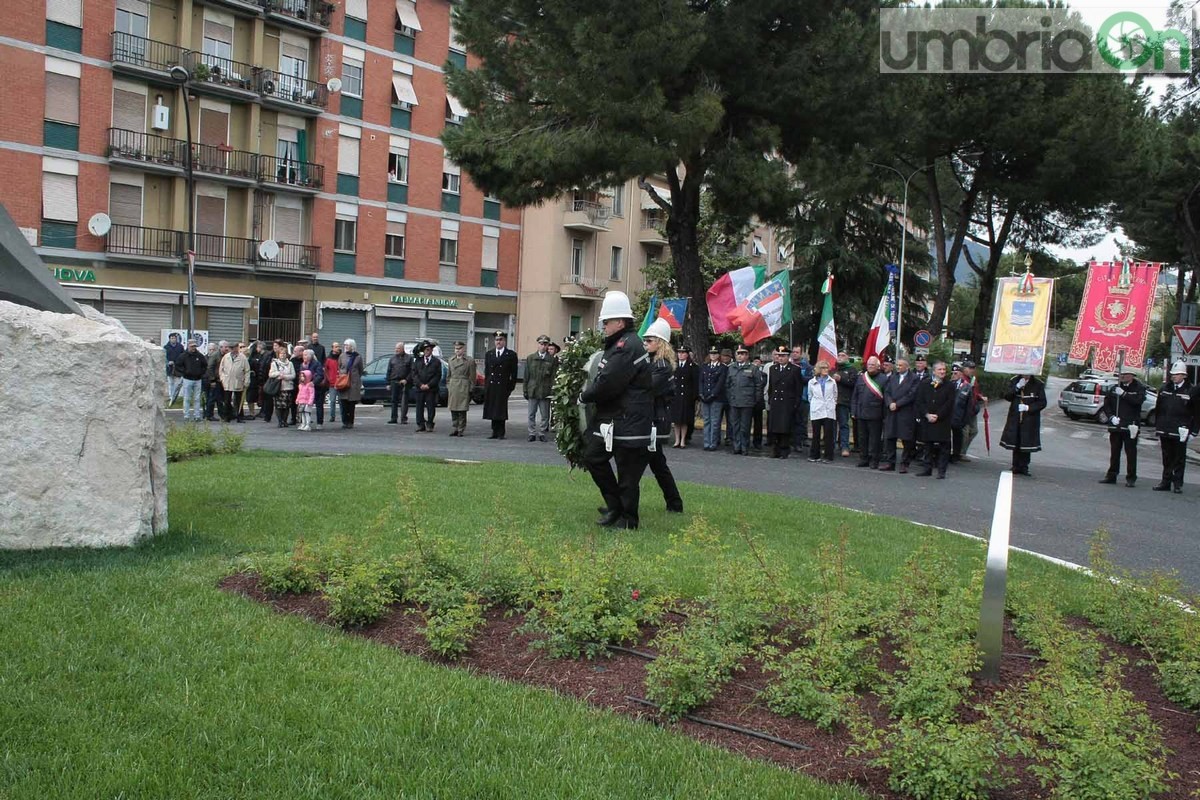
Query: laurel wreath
x=569, y=382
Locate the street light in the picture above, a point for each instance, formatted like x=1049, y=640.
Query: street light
x=182, y=75
x=903, y=243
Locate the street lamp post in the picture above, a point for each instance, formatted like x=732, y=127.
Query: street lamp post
x=903, y=243
x=182, y=75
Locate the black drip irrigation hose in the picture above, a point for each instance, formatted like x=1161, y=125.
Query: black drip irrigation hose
x=726, y=726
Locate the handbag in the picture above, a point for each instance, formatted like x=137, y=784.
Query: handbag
x=272, y=387
x=343, y=378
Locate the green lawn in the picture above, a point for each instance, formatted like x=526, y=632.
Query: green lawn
x=129, y=674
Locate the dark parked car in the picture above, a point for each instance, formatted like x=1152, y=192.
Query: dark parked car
x=375, y=386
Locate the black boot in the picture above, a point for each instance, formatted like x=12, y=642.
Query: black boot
x=1108, y=479
x=609, y=519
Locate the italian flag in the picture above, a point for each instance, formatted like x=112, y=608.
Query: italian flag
x=731, y=291
x=826, y=335
x=880, y=335
x=766, y=310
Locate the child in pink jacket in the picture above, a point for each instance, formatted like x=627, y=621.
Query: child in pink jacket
x=305, y=396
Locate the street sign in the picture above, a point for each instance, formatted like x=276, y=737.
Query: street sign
x=1189, y=338
x=922, y=339
x=921, y=351
x=1179, y=354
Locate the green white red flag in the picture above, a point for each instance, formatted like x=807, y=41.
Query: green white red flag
x=826, y=334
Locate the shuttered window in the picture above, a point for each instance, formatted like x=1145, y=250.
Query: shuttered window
x=62, y=98
x=491, y=248
x=347, y=155
x=59, y=201
x=288, y=223
x=214, y=126
x=227, y=324
x=125, y=204
x=394, y=244
x=356, y=9
x=68, y=12
x=210, y=215
x=129, y=110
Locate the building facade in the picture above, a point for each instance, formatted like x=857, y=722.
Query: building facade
x=321, y=200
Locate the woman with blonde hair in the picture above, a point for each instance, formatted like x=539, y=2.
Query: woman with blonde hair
x=662, y=372
x=822, y=410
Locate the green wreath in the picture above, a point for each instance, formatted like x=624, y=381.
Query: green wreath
x=569, y=414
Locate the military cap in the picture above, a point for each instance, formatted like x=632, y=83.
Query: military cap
x=922, y=357
x=460, y=344
x=969, y=363
x=782, y=350
x=743, y=349
x=885, y=359
x=684, y=349
x=714, y=349
x=956, y=366
x=543, y=339
x=726, y=352
x=500, y=335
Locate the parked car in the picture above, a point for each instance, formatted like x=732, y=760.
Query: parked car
x=1084, y=399
x=375, y=386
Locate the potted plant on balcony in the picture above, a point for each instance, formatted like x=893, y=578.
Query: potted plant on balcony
x=201, y=72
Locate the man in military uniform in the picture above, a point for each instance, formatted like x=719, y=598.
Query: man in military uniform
x=619, y=426
x=1177, y=419
x=687, y=391
x=866, y=405
x=1123, y=408
x=742, y=386
x=712, y=397
x=784, y=389
x=500, y=378
x=539, y=384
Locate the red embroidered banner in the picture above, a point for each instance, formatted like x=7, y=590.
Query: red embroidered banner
x=1115, y=313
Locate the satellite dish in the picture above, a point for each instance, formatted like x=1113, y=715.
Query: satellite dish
x=99, y=224
x=334, y=85
x=268, y=250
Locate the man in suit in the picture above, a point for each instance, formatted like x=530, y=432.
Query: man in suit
x=398, y=371
x=427, y=375
x=500, y=378
x=899, y=395
x=935, y=404
x=867, y=408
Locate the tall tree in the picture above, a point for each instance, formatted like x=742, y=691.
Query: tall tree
x=572, y=94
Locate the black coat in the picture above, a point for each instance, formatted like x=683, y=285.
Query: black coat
x=934, y=399
x=687, y=392
x=662, y=381
x=191, y=365
x=846, y=378
x=712, y=383
x=622, y=390
x=902, y=423
x=426, y=374
x=785, y=387
x=318, y=351
x=499, y=380
x=1177, y=407
x=1125, y=406
x=864, y=403
x=399, y=368
x=1023, y=430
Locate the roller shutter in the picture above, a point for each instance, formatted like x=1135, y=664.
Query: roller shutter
x=143, y=320
x=338, y=325
x=389, y=330
x=227, y=324
x=446, y=332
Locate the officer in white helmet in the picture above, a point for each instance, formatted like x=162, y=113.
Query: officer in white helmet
x=624, y=410
x=1176, y=420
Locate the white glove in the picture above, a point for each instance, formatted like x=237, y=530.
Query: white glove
x=1021, y=384
x=1183, y=433
x=1118, y=391
x=1133, y=431
x=1022, y=408
x=1114, y=420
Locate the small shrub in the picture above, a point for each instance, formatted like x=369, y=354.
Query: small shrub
x=940, y=760
x=290, y=573
x=360, y=594
x=194, y=441
x=449, y=631
x=694, y=661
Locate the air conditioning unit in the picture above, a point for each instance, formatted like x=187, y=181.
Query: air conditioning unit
x=268, y=86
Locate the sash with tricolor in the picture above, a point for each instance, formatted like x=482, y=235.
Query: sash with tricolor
x=872, y=385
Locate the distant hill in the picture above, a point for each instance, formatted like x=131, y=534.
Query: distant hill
x=962, y=270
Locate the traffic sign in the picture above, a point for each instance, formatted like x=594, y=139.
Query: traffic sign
x=921, y=351
x=1189, y=338
x=922, y=338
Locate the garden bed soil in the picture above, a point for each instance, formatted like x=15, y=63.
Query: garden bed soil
x=502, y=651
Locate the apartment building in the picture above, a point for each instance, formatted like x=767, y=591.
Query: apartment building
x=580, y=246
x=321, y=197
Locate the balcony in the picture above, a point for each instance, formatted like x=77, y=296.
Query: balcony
x=222, y=77
x=163, y=155
x=584, y=215
x=245, y=8
x=578, y=287
x=292, y=95
x=161, y=244
x=651, y=233
x=308, y=15
x=145, y=58
x=290, y=175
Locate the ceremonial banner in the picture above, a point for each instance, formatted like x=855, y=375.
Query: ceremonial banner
x=826, y=331
x=1115, y=314
x=766, y=310
x=673, y=310
x=1020, y=322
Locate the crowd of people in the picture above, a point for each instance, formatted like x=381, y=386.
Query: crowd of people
x=645, y=396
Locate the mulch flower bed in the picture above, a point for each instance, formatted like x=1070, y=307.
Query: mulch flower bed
x=502, y=651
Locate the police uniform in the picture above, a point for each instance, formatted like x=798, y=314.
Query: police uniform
x=1123, y=409
x=619, y=428
x=1177, y=419
x=499, y=380
x=784, y=389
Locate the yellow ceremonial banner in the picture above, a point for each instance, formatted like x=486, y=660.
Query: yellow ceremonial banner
x=1020, y=322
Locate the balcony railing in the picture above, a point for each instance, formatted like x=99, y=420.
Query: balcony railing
x=146, y=53
x=288, y=172
x=147, y=147
x=136, y=240
x=315, y=12
x=206, y=68
x=290, y=89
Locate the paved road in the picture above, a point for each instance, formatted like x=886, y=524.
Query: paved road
x=1055, y=513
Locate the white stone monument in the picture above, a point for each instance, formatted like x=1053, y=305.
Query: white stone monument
x=84, y=458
